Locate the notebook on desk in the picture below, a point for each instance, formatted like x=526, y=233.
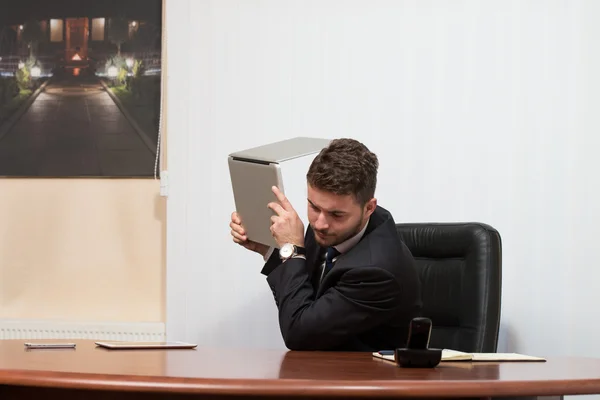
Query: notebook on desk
x=453, y=355
x=122, y=345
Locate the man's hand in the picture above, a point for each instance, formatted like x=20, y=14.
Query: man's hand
x=286, y=226
x=239, y=236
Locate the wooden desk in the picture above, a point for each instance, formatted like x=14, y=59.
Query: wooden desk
x=89, y=372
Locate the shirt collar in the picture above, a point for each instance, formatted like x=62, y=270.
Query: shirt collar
x=349, y=243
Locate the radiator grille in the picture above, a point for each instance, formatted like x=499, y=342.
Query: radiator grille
x=28, y=329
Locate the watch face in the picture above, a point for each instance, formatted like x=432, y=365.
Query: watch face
x=286, y=250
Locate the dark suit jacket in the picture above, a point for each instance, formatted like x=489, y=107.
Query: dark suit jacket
x=366, y=301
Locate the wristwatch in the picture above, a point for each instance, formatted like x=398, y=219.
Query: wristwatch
x=289, y=250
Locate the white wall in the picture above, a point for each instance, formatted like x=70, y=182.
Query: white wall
x=479, y=111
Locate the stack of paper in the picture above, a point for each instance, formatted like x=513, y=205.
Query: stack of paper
x=453, y=355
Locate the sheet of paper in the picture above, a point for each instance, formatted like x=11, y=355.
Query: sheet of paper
x=504, y=357
x=454, y=355
x=387, y=357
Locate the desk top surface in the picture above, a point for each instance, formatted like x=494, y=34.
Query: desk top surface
x=275, y=372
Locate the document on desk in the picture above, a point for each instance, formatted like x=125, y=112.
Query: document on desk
x=453, y=355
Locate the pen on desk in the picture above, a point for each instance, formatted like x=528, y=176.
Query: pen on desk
x=50, y=345
x=386, y=352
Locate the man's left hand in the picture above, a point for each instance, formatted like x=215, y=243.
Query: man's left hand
x=286, y=226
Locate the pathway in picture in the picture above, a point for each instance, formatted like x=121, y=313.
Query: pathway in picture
x=74, y=128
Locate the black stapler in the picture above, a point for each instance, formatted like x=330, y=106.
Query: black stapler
x=417, y=353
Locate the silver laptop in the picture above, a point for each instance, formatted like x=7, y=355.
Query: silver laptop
x=254, y=171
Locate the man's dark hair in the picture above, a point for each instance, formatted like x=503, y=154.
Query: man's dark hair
x=345, y=167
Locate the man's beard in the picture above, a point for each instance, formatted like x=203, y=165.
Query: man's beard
x=331, y=241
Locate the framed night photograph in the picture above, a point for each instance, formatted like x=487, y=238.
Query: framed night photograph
x=80, y=87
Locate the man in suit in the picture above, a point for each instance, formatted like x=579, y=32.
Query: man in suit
x=349, y=283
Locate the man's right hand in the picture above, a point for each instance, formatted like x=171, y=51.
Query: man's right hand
x=239, y=236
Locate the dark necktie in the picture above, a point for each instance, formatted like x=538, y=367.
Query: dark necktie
x=329, y=256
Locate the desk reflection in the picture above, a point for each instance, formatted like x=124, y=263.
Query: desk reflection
x=215, y=363
x=363, y=366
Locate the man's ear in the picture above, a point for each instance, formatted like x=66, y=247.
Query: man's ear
x=370, y=206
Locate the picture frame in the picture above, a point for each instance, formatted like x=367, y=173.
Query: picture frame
x=81, y=88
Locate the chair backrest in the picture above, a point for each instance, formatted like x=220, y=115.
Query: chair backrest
x=460, y=267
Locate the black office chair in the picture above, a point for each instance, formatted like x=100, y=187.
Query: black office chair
x=460, y=266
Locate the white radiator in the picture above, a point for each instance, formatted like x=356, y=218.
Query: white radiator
x=48, y=329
